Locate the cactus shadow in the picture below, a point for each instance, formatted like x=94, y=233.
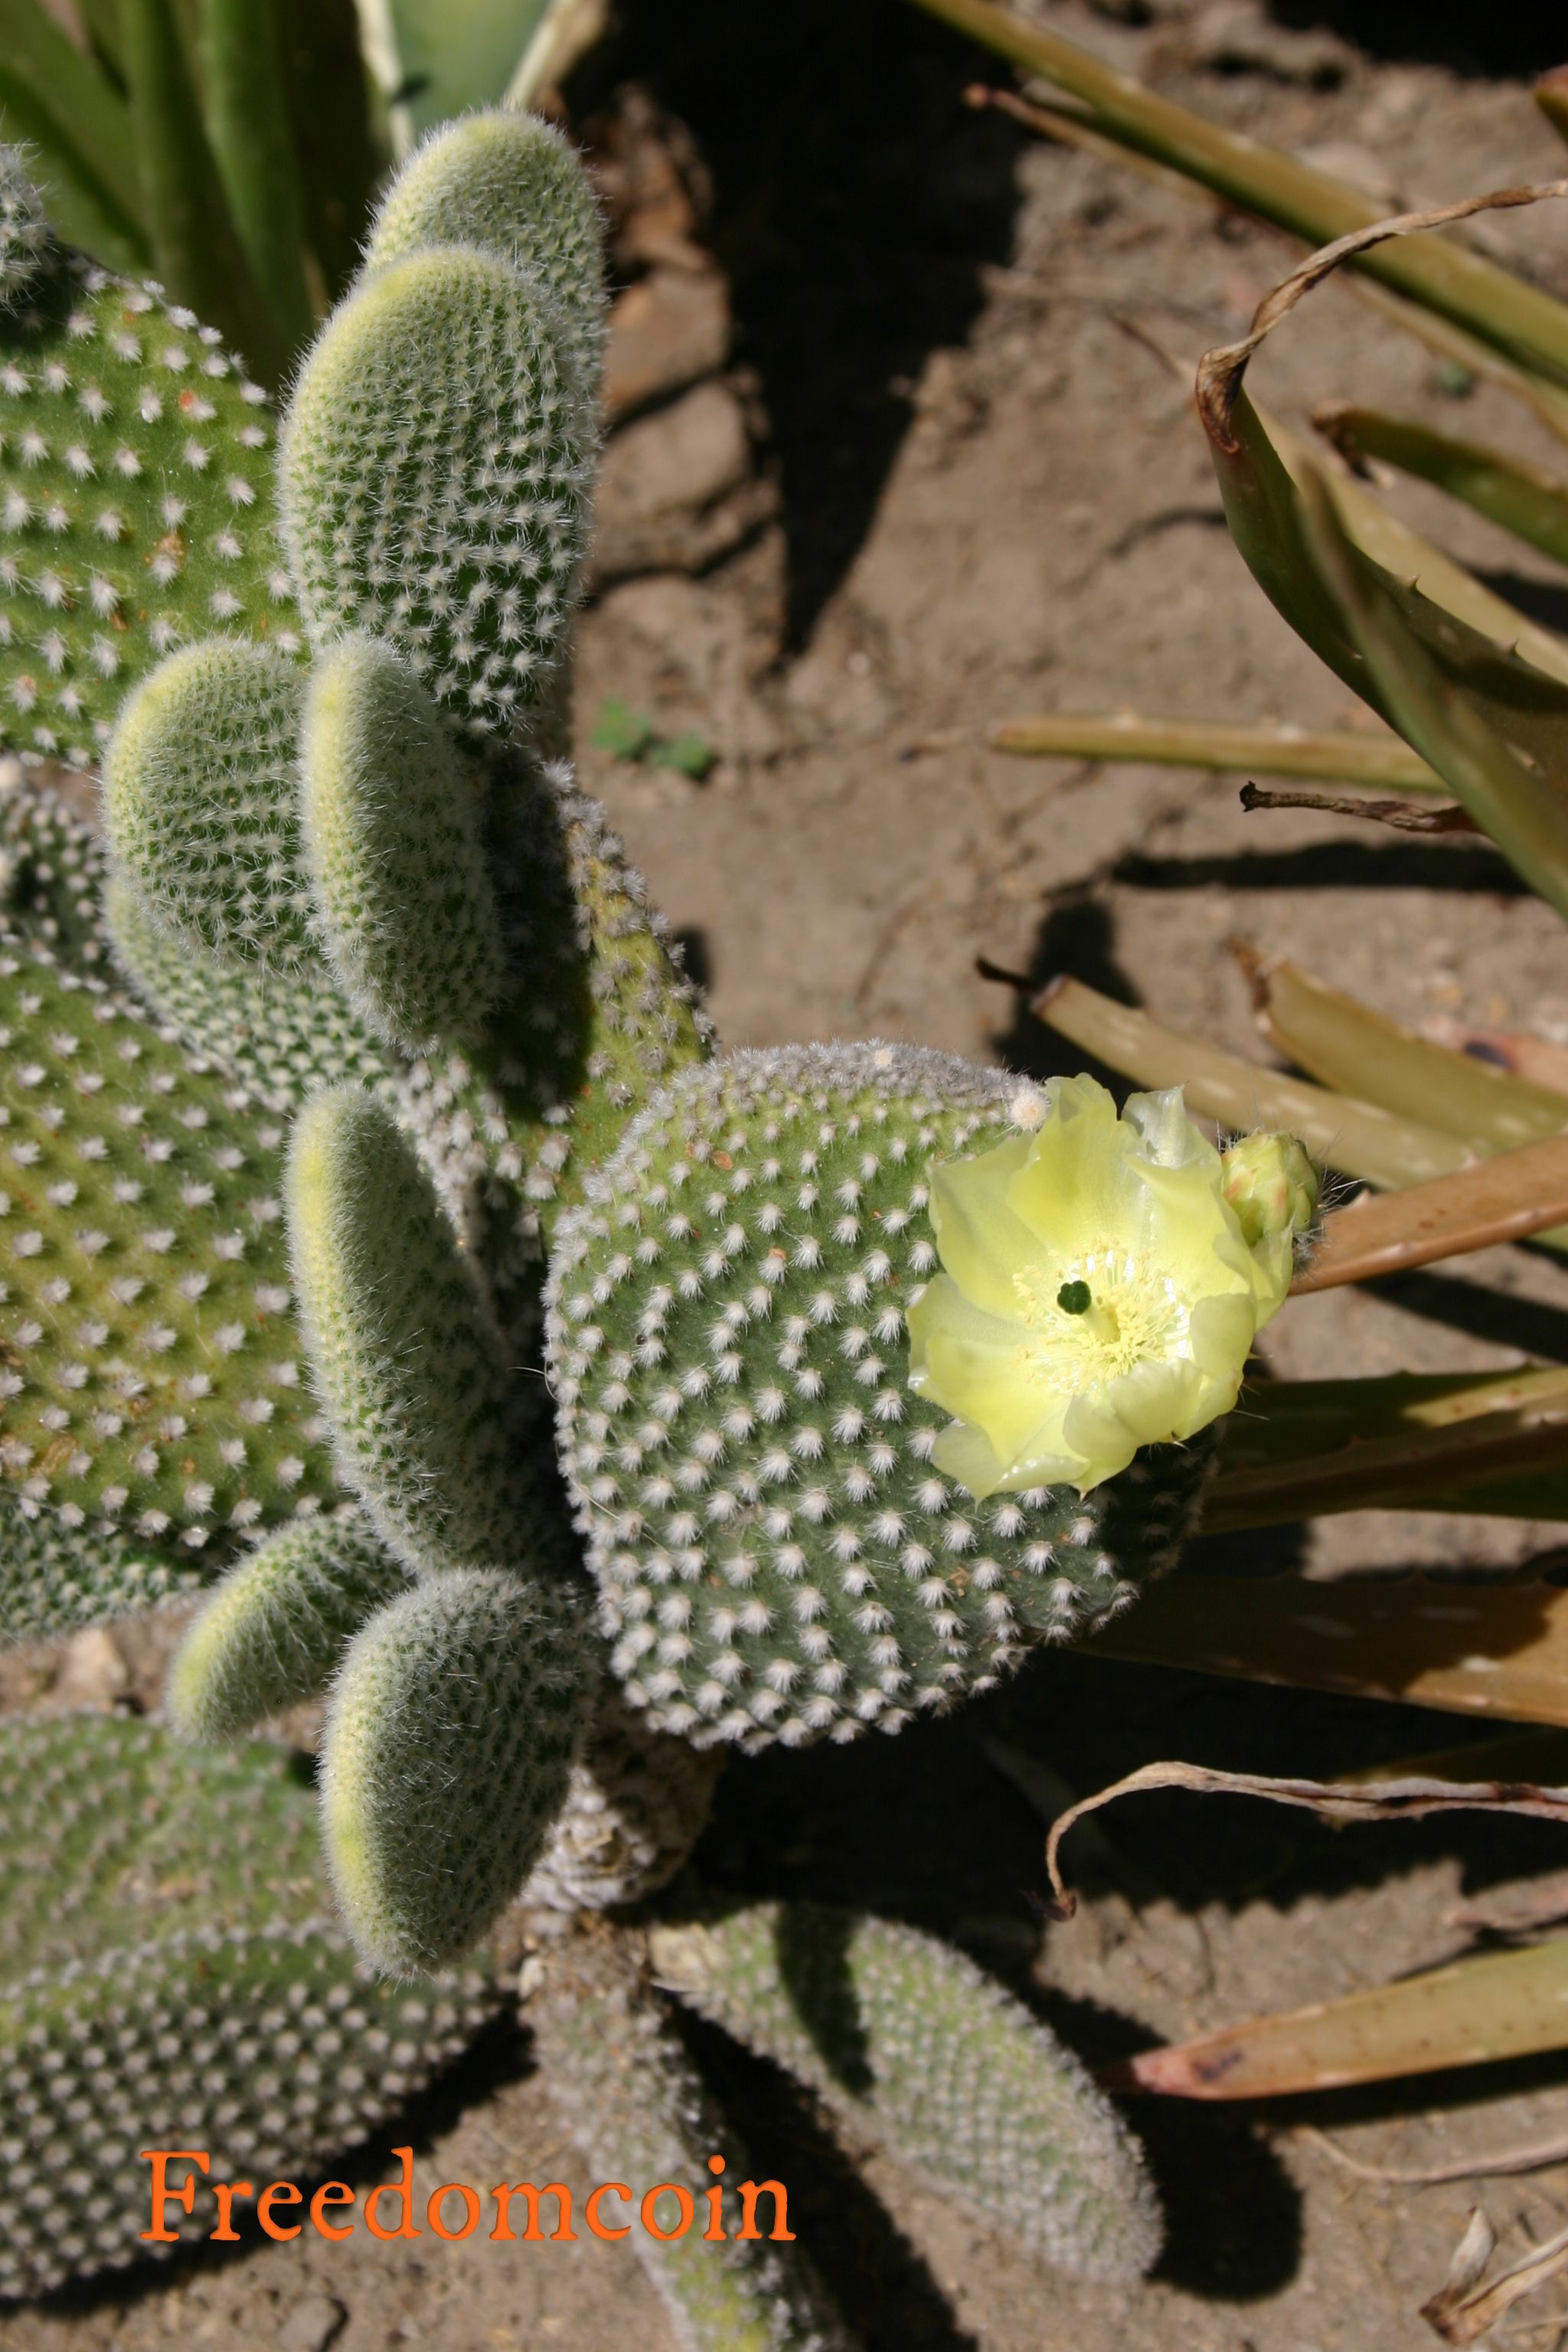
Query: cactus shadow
x=856, y=204
x=1077, y=940
x=881, y=2283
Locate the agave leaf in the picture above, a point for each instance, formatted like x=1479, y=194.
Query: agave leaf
x=1497, y=1651
x=1442, y=1469
x=1355, y=1137
x=240, y=47
x=1500, y=2005
x=196, y=245
x=1522, y=498
x=1551, y=95
x=1494, y=304
x=89, y=122
x=1346, y=1045
x=1285, y=1420
x=1412, y=562
x=1381, y=760
x=1453, y=696
x=1510, y=1198
x=339, y=162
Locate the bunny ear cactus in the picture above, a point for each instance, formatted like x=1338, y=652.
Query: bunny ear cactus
x=423, y=1077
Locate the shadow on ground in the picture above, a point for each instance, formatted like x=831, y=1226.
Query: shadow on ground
x=857, y=201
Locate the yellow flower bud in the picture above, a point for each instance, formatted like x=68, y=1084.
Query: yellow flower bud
x=1097, y=1293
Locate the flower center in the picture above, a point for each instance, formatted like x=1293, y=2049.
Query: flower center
x=1092, y=1321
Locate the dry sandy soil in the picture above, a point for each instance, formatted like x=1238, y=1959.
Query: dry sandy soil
x=990, y=499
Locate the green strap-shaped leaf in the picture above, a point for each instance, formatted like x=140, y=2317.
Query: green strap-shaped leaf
x=1447, y=697
x=454, y=1724
x=90, y=123
x=1522, y=498
x=196, y=245
x=1500, y=2005
x=246, y=109
x=908, y=2039
x=446, y=56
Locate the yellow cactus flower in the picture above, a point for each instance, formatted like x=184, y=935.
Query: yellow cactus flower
x=1097, y=1293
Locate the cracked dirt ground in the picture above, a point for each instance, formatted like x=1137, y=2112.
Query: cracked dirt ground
x=991, y=500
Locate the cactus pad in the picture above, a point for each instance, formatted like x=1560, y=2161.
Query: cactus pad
x=777, y=1555
x=199, y=797
x=276, y=1626
x=629, y=2095
x=436, y=471
x=393, y=825
x=511, y=185
x=167, y=1979
x=909, y=2039
x=25, y=235
x=136, y=506
x=428, y=1424
x=150, y=1372
x=54, y=1580
x=453, y=1726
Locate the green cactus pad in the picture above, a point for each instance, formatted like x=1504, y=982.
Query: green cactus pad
x=436, y=472
x=909, y=2041
x=200, y=798
x=393, y=831
x=511, y=185
x=777, y=1556
x=428, y=1424
x=277, y=1625
x=150, y=1369
x=136, y=503
x=628, y=2092
x=167, y=1978
x=284, y=1034
x=454, y=1723
x=54, y=1580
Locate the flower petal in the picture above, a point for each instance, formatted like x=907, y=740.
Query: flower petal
x=982, y=1243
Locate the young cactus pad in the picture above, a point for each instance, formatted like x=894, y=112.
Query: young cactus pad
x=277, y=1625
x=435, y=469
x=199, y=798
x=430, y=1426
x=510, y=184
x=777, y=1555
x=454, y=1724
x=136, y=505
x=910, y=2042
x=168, y=1978
x=392, y=827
